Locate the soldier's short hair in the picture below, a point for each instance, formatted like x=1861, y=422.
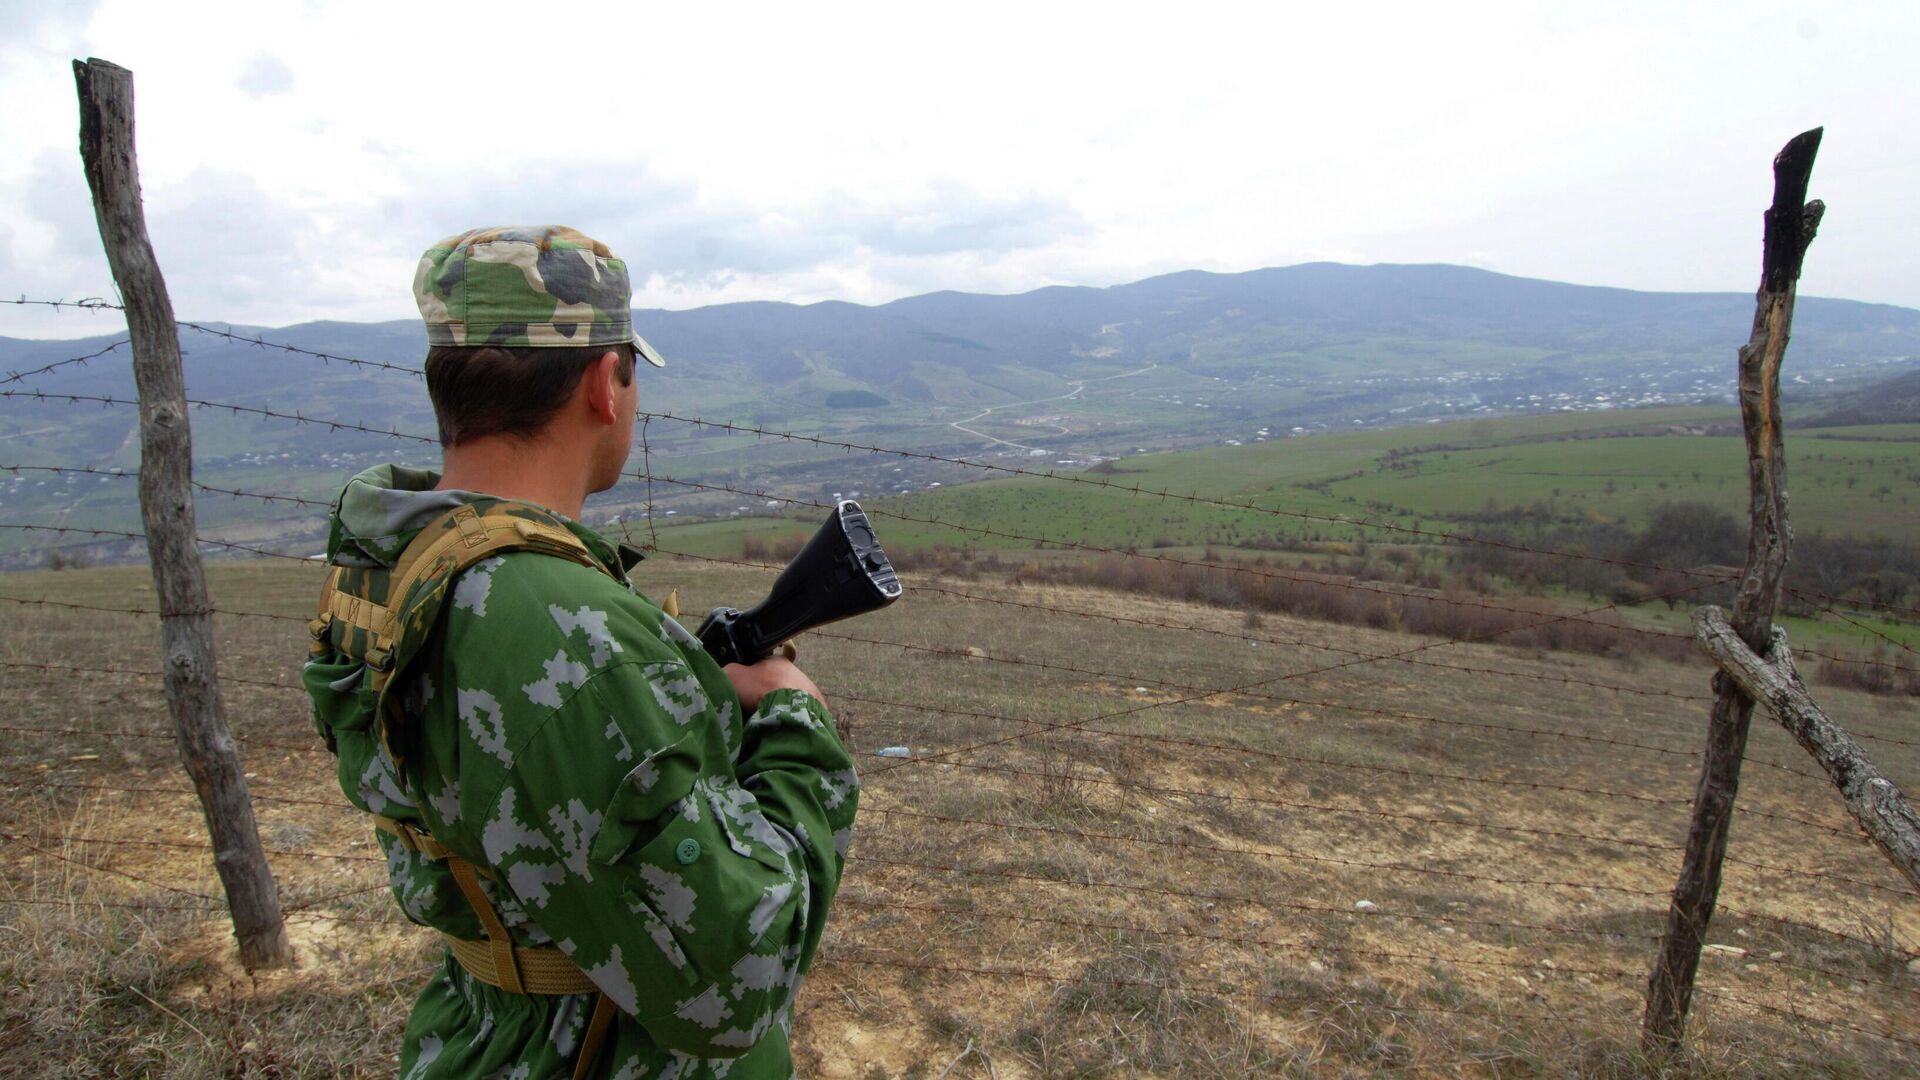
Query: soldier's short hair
x=484, y=390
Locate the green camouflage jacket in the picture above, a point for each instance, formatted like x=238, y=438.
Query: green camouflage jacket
x=578, y=745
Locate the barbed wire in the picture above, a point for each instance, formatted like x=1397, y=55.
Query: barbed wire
x=60, y=784
x=85, y=303
x=17, y=376
x=1328, y=948
x=279, y=346
x=760, y=432
x=134, y=474
x=1041, y=728
x=1602, y=840
x=75, y=606
x=1266, y=573
x=1193, y=497
x=199, y=403
x=1156, y=739
x=1258, y=684
x=33, y=840
x=1197, y=744
x=122, y=534
x=1275, y=904
x=1888, y=638
x=650, y=476
x=921, y=587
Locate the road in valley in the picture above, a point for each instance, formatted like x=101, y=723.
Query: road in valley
x=1078, y=386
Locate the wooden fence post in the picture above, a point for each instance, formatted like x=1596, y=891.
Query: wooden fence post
x=1790, y=226
x=1873, y=800
x=166, y=508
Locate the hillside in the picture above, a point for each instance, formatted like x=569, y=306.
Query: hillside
x=1888, y=401
x=1089, y=865
x=1062, y=375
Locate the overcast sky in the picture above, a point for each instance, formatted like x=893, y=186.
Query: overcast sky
x=297, y=157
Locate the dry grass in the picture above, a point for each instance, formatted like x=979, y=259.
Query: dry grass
x=1094, y=904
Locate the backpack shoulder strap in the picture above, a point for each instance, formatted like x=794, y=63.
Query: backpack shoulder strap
x=383, y=616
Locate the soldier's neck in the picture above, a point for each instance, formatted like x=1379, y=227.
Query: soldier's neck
x=538, y=471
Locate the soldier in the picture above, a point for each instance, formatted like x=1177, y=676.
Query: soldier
x=630, y=850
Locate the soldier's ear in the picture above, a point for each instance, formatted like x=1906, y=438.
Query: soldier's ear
x=602, y=384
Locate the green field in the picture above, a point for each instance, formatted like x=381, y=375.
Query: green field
x=1840, y=484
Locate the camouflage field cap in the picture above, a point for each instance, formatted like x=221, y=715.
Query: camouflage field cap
x=544, y=286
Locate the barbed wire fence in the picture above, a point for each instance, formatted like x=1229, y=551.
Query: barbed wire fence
x=894, y=879
x=1067, y=768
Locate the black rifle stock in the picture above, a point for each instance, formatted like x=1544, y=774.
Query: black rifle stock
x=839, y=574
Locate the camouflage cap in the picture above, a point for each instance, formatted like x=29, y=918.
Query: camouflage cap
x=544, y=286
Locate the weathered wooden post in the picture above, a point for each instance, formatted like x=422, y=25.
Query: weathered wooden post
x=1770, y=679
x=1790, y=226
x=166, y=508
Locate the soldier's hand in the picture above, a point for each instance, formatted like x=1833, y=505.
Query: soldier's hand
x=754, y=681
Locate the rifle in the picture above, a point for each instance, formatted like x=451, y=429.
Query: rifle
x=839, y=574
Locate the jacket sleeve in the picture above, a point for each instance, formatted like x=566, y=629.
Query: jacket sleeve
x=688, y=877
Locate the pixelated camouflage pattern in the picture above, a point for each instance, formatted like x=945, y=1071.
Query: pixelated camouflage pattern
x=570, y=739
x=526, y=285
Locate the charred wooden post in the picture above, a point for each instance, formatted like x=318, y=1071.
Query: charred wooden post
x=1790, y=226
x=166, y=508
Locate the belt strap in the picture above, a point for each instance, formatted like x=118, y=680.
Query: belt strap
x=540, y=971
x=496, y=961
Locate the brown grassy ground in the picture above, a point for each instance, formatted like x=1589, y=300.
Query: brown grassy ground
x=1069, y=903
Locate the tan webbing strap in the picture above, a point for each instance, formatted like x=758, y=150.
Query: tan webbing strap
x=505, y=967
x=354, y=611
x=412, y=838
x=472, y=537
x=542, y=971
x=418, y=560
x=537, y=971
x=603, y=1010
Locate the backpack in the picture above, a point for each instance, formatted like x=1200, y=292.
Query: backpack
x=381, y=617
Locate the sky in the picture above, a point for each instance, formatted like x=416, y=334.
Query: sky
x=297, y=157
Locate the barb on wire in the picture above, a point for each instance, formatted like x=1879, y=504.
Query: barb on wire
x=134, y=474
x=16, y=376
x=12, y=729
x=251, y=410
x=186, y=845
x=1231, y=568
x=1071, y=725
x=1292, y=855
x=278, y=346
x=1052, y=608
x=85, y=303
x=1287, y=855
x=34, y=601
x=33, y=843
x=1600, y=839
x=1163, y=739
x=1883, y=636
x=1193, y=497
x=58, y=784
x=1130, y=678
x=122, y=534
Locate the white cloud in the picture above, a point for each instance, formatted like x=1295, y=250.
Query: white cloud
x=297, y=158
x=265, y=75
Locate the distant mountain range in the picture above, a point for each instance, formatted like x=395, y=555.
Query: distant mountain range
x=1259, y=317
x=1184, y=359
